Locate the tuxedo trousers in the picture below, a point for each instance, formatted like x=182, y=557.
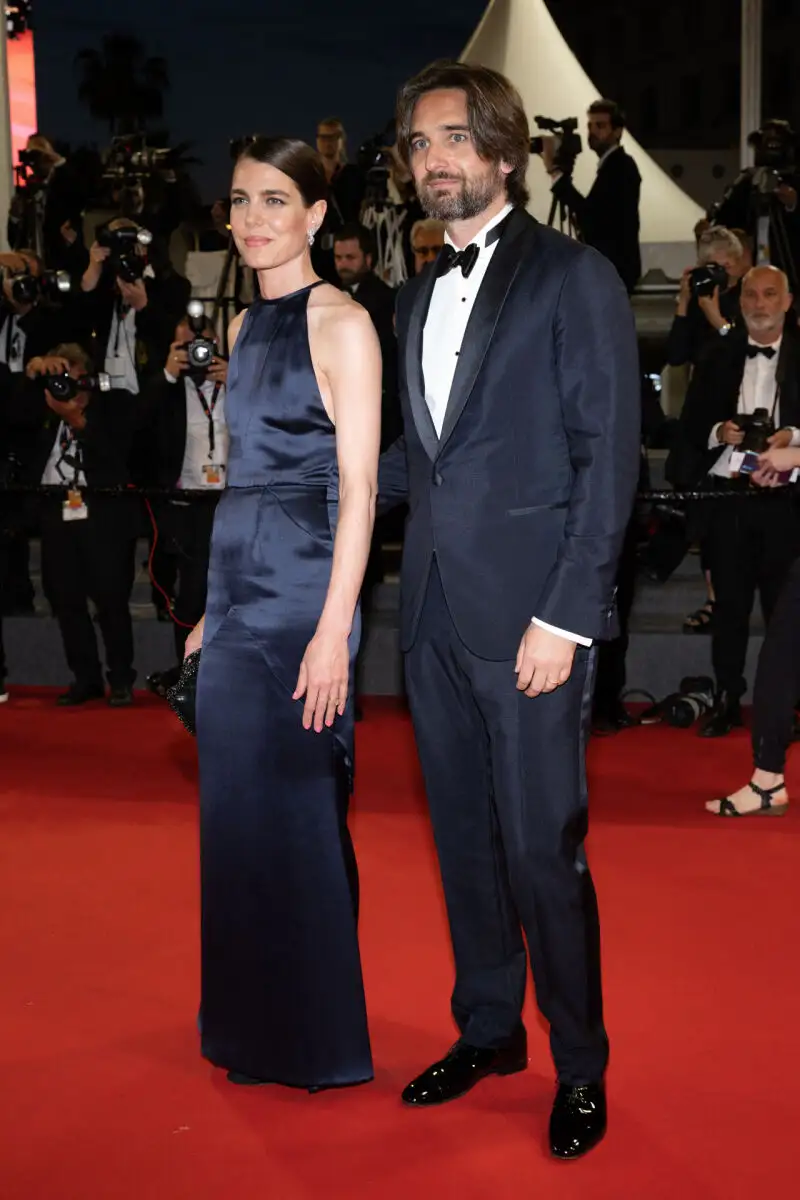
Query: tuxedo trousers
x=506, y=785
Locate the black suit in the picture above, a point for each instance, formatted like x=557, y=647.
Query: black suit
x=750, y=542
x=379, y=301
x=608, y=218
x=518, y=509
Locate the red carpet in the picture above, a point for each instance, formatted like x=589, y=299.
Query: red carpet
x=103, y=1095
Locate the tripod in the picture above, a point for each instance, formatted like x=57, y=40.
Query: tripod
x=565, y=222
x=769, y=209
x=29, y=201
x=220, y=299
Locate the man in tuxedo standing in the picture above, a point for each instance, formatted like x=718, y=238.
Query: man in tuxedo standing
x=520, y=393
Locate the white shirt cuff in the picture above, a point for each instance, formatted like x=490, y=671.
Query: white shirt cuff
x=169, y=378
x=571, y=637
x=795, y=435
x=713, y=438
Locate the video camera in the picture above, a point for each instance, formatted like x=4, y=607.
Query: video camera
x=64, y=387
x=130, y=159
x=374, y=161
x=704, y=280
x=27, y=288
x=124, y=260
x=200, y=350
x=568, y=144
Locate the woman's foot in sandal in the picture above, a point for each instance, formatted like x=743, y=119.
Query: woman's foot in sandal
x=700, y=620
x=764, y=795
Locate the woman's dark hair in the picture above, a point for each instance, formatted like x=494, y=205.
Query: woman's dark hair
x=496, y=118
x=296, y=159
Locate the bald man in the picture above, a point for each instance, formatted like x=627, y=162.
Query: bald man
x=751, y=541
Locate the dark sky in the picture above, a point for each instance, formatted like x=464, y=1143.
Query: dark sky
x=242, y=66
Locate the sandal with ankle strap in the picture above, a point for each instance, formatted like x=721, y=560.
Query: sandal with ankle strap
x=728, y=809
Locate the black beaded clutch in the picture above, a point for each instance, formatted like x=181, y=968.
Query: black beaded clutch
x=182, y=698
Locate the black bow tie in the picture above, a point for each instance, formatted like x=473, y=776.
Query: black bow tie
x=767, y=351
x=450, y=258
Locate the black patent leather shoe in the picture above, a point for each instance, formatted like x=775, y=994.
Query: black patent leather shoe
x=578, y=1120
x=723, y=717
x=462, y=1067
x=81, y=693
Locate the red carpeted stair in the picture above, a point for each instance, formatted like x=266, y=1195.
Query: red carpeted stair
x=103, y=1094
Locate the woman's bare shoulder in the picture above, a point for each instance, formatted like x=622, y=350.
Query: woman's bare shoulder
x=336, y=312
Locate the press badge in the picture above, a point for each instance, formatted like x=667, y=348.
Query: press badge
x=212, y=473
x=74, y=507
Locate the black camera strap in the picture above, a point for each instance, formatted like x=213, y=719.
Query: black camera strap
x=208, y=407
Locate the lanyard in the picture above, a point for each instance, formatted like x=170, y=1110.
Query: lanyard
x=208, y=409
x=66, y=442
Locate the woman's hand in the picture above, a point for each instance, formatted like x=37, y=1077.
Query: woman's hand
x=195, y=638
x=323, y=679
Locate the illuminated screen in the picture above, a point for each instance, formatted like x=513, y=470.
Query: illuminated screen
x=21, y=91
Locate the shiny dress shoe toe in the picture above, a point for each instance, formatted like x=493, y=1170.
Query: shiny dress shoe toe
x=723, y=717
x=239, y=1077
x=578, y=1120
x=462, y=1067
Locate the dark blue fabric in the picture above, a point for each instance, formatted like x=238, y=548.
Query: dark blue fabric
x=282, y=994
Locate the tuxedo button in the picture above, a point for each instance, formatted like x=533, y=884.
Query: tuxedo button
x=437, y=479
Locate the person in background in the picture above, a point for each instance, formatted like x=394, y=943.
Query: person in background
x=345, y=194
x=47, y=213
x=427, y=239
x=702, y=318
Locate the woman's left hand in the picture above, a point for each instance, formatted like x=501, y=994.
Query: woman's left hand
x=323, y=679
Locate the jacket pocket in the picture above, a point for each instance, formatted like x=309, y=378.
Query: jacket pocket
x=522, y=512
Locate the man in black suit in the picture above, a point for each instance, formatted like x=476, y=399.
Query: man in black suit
x=608, y=218
x=520, y=394
x=88, y=540
x=750, y=542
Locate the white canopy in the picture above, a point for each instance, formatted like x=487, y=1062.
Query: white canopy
x=520, y=39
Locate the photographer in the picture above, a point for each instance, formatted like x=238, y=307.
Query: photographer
x=763, y=200
x=71, y=435
x=184, y=411
x=708, y=301
x=608, y=218
x=744, y=398
x=46, y=212
x=345, y=194
x=130, y=305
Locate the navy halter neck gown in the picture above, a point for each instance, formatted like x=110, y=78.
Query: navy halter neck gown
x=282, y=994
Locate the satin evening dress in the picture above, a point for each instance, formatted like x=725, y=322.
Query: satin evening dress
x=282, y=992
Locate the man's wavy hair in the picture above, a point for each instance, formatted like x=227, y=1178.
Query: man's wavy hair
x=495, y=115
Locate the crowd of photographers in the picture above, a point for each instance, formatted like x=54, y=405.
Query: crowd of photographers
x=110, y=378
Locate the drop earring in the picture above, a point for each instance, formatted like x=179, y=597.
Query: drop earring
x=311, y=233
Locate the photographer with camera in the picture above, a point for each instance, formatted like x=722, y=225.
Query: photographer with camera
x=184, y=414
x=345, y=194
x=608, y=218
x=46, y=212
x=130, y=308
x=708, y=301
x=744, y=399
x=71, y=434
x=763, y=199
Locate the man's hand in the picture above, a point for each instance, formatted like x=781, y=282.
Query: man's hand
x=709, y=306
x=47, y=364
x=544, y=661
x=70, y=411
x=729, y=434
x=780, y=440
x=787, y=196
x=218, y=371
x=773, y=462
x=91, y=276
x=133, y=294
x=178, y=361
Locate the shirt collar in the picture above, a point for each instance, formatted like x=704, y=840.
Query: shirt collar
x=775, y=345
x=609, y=152
x=480, y=236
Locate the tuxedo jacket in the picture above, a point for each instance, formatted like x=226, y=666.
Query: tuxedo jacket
x=608, y=218
x=525, y=497
x=713, y=396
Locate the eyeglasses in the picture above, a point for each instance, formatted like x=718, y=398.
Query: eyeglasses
x=427, y=251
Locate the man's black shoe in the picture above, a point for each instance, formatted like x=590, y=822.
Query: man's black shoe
x=81, y=693
x=121, y=697
x=612, y=719
x=722, y=718
x=462, y=1067
x=160, y=682
x=578, y=1119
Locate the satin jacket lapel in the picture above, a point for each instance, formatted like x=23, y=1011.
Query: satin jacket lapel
x=414, y=377
x=489, y=302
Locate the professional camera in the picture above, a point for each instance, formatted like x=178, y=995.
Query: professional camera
x=681, y=709
x=568, y=144
x=757, y=427
x=374, y=161
x=130, y=159
x=124, y=260
x=64, y=387
x=27, y=288
x=704, y=280
x=200, y=350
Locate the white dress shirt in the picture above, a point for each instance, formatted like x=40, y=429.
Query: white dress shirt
x=121, y=352
x=445, y=325
x=197, y=453
x=757, y=391
x=12, y=344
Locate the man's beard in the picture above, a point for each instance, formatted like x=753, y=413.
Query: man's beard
x=762, y=324
x=469, y=198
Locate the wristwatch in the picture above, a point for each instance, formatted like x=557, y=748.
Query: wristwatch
x=725, y=329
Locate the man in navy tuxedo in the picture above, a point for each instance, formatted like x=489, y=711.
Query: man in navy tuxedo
x=520, y=394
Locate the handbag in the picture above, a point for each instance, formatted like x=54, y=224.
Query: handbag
x=182, y=698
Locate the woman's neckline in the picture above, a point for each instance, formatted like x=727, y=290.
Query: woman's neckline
x=288, y=295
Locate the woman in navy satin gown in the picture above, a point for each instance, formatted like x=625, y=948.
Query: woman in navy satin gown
x=282, y=994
